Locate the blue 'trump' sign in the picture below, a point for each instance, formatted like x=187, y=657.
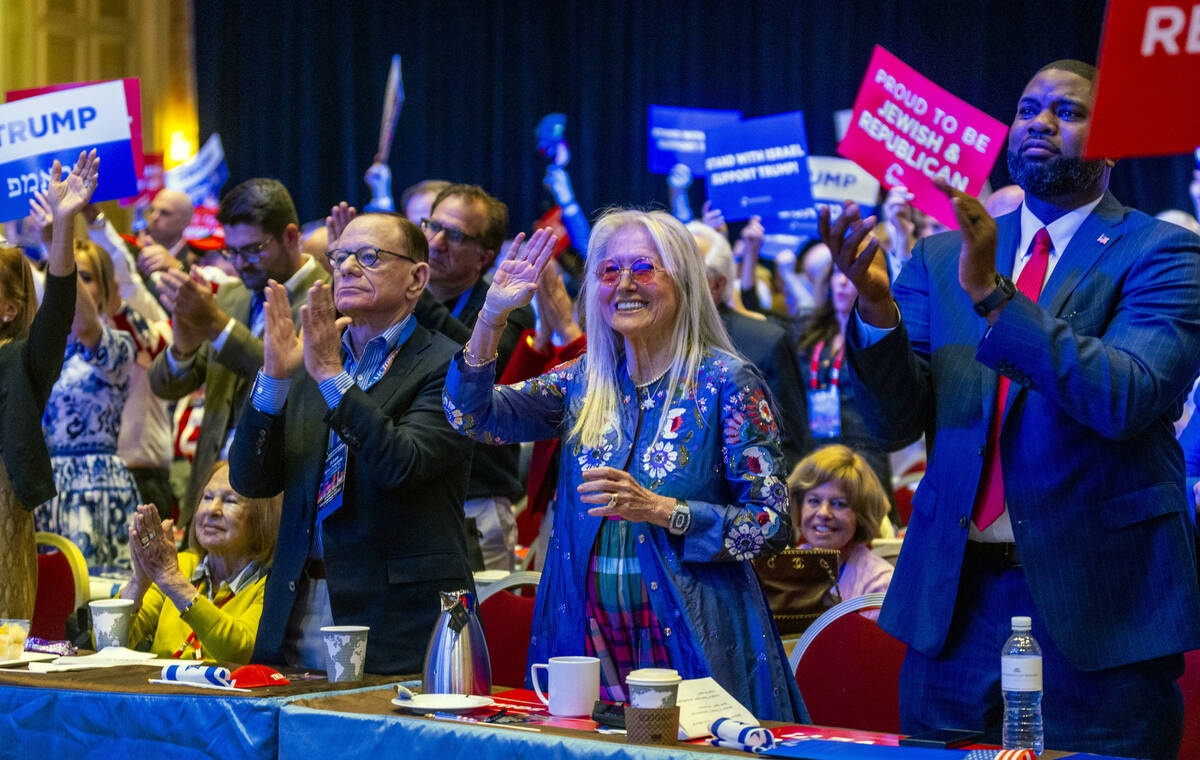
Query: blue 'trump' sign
x=758, y=166
x=677, y=136
x=35, y=131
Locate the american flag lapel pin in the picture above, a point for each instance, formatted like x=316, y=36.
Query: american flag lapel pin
x=1102, y=240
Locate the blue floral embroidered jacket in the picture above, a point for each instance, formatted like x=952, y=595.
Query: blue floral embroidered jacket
x=719, y=451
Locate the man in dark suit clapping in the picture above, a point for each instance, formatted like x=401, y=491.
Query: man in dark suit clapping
x=1055, y=486
x=348, y=422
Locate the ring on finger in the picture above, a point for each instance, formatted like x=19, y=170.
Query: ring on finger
x=150, y=535
x=612, y=501
x=145, y=542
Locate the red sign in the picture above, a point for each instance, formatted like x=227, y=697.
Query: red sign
x=906, y=130
x=133, y=105
x=1149, y=51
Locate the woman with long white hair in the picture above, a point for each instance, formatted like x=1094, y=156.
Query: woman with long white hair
x=671, y=476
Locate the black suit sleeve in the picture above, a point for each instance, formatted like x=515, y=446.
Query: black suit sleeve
x=256, y=457
x=43, y=352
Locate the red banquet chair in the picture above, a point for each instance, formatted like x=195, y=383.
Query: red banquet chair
x=848, y=669
x=62, y=586
x=507, y=621
x=1189, y=684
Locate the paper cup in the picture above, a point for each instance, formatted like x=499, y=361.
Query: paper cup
x=345, y=652
x=110, y=622
x=652, y=687
x=12, y=637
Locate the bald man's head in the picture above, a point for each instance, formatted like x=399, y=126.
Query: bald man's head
x=169, y=215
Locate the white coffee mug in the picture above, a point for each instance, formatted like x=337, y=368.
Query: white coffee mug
x=574, y=685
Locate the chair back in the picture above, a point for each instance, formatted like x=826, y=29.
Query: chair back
x=1189, y=684
x=507, y=625
x=848, y=669
x=62, y=586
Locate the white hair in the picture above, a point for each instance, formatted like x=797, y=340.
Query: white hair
x=697, y=328
x=1181, y=218
x=719, y=259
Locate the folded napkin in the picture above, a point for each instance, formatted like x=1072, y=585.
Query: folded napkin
x=743, y=736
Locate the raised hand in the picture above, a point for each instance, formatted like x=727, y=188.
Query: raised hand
x=555, y=307
x=65, y=196
x=859, y=262
x=339, y=216
x=283, y=351
x=40, y=217
x=516, y=278
x=322, y=333
x=714, y=218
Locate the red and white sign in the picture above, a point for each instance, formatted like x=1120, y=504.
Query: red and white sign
x=906, y=130
x=133, y=104
x=1145, y=106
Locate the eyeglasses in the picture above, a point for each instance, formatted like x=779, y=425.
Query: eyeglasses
x=453, y=234
x=252, y=253
x=641, y=270
x=367, y=256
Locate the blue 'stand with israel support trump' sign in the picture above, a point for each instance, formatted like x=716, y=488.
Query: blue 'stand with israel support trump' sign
x=35, y=131
x=834, y=181
x=758, y=166
x=677, y=136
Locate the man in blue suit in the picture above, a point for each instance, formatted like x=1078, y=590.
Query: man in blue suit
x=1055, y=487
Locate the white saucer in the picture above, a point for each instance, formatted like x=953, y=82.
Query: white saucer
x=443, y=702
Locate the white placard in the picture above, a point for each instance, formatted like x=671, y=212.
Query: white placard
x=701, y=701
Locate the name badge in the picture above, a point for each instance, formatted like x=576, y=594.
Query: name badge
x=825, y=412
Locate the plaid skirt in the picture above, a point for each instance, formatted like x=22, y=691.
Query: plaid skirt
x=623, y=631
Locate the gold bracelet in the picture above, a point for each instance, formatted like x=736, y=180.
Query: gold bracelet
x=489, y=323
x=468, y=355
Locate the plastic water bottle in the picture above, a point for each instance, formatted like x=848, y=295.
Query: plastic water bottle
x=1021, y=682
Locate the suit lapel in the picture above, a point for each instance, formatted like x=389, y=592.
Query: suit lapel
x=1099, y=231
x=394, y=381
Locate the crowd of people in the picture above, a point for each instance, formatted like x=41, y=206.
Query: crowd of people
x=333, y=420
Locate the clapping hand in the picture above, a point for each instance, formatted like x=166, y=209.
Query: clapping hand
x=516, y=278
x=339, y=216
x=977, y=259
x=321, y=332
x=860, y=264
x=152, y=544
x=283, y=351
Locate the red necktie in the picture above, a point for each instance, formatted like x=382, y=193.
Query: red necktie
x=989, y=501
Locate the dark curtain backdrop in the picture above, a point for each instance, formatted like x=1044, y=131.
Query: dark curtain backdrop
x=295, y=88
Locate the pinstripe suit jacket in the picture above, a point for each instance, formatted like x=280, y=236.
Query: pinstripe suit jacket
x=1092, y=472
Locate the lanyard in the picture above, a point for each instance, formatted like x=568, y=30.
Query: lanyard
x=816, y=363
x=194, y=642
x=461, y=303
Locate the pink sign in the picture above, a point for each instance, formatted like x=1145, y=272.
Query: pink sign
x=906, y=131
x=133, y=104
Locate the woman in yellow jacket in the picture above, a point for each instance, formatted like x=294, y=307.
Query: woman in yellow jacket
x=214, y=590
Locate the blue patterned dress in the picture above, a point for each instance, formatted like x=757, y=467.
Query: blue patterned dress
x=97, y=495
x=714, y=444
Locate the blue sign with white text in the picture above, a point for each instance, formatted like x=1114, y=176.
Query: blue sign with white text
x=834, y=181
x=677, y=136
x=35, y=131
x=758, y=167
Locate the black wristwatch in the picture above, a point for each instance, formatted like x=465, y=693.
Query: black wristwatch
x=680, y=519
x=1004, y=292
